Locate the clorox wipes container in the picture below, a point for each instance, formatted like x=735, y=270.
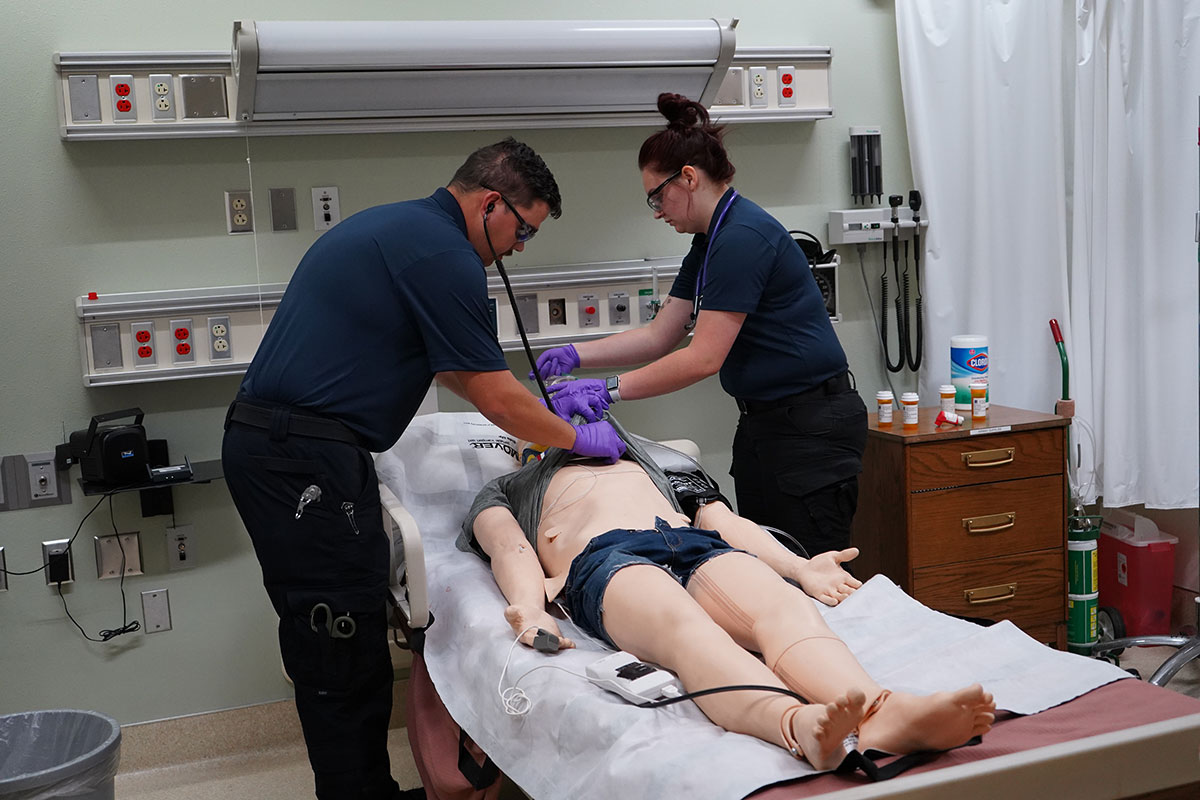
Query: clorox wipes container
x=968, y=362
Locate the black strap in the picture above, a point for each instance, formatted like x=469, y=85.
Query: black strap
x=866, y=763
x=480, y=776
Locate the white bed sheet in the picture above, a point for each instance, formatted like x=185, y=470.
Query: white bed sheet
x=579, y=741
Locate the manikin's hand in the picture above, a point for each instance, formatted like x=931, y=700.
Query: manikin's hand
x=557, y=361
x=823, y=578
x=522, y=617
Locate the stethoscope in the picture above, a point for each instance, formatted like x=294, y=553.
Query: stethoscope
x=702, y=276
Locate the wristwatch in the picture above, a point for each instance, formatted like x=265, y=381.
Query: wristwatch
x=613, y=385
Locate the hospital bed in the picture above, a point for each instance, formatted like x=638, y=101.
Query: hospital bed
x=1100, y=733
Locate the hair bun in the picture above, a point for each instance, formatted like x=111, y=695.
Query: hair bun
x=681, y=112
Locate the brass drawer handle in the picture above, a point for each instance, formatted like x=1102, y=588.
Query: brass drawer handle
x=989, y=458
x=990, y=594
x=991, y=523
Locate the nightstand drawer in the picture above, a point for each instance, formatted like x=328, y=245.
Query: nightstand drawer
x=986, y=521
x=1029, y=589
x=982, y=459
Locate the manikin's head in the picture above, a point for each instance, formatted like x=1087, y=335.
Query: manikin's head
x=506, y=191
x=685, y=168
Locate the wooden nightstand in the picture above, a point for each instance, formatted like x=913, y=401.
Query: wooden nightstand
x=970, y=520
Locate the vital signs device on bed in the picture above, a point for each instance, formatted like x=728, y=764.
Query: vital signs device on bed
x=638, y=682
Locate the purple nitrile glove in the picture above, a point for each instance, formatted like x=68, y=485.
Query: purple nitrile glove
x=588, y=405
x=557, y=361
x=598, y=440
x=583, y=386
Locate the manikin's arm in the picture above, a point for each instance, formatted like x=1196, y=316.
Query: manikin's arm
x=518, y=573
x=822, y=576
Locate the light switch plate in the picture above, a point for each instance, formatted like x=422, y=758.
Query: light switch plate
x=156, y=610
x=109, y=555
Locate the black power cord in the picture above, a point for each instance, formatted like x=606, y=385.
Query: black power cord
x=128, y=626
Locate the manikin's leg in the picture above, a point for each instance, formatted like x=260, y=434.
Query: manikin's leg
x=761, y=612
x=651, y=616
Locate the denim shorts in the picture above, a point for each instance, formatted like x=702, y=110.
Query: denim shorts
x=677, y=551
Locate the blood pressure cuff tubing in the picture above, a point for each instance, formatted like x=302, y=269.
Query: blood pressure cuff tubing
x=693, y=490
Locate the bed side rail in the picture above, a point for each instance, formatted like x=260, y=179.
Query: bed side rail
x=407, y=580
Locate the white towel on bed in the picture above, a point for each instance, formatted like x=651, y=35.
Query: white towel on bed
x=579, y=741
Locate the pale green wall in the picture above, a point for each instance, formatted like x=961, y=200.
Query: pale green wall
x=128, y=216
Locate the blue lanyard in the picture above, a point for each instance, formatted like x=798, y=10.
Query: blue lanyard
x=702, y=275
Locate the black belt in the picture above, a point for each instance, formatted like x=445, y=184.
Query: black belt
x=835, y=385
x=283, y=421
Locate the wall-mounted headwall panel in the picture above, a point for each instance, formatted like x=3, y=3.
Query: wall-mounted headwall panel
x=299, y=78
x=140, y=337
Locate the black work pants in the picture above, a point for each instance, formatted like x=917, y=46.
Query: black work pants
x=335, y=554
x=796, y=467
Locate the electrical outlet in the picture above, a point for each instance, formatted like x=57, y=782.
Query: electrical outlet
x=55, y=573
x=758, y=86
x=144, y=354
x=220, y=342
x=156, y=610
x=162, y=98
x=183, y=351
x=3, y=572
x=787, y=86
x=116, y=549
x=179, y=548
x=327, y=210
x=123, y=98
x=239, y=211
x=557, y=307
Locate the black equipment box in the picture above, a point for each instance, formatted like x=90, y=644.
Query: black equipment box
x=112, y=455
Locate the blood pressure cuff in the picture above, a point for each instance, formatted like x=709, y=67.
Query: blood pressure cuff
x=693, y=490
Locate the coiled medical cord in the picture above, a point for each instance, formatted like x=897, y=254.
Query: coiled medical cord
x=862, y=270
x=883, y=304
x=914, y=203
x=513, y=700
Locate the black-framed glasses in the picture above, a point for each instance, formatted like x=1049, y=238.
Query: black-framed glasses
x=654, y=196
x=525, y=231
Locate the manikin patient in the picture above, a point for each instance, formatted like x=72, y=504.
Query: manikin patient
x=610, y=542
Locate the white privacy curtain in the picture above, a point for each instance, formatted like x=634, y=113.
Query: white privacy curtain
x=1133, y=252
x=1053, y=146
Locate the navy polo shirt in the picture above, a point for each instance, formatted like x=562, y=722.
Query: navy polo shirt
x=787, y=344
x=378, y=304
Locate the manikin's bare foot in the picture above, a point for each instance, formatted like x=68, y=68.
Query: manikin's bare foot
x=908, y=723
x=819, y=729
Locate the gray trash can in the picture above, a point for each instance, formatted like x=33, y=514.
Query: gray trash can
x=59, y=753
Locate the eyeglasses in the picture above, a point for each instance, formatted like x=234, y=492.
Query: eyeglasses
x=653, y=197
x=525, y=231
